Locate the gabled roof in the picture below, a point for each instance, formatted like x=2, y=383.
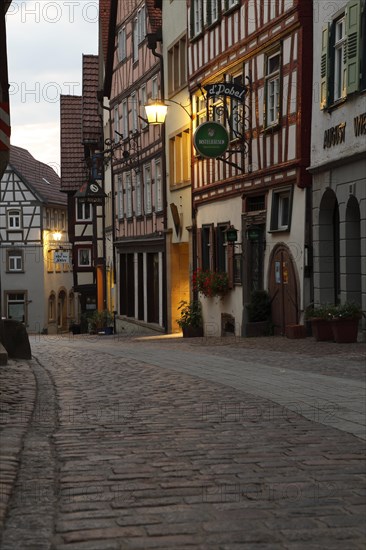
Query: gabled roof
x=105, y=9
x=72, y=149
x=110, y=48
x=92, y=125
x=40, y=177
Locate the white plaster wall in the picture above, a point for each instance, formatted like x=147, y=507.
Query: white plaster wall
x=322, y=120
x=294, y=239
x=222, y=211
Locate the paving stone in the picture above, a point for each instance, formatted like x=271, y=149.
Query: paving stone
x=159, y=443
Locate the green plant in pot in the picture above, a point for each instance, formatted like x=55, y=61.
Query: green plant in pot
x=102, y=321
x=259, y=314
x=190, y=320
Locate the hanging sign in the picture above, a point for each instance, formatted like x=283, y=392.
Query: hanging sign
x=91, y=192
x=211, y=139
x=227, y=89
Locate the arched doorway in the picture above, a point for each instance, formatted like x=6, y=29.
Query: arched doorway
x=353, y=251
x=329, y=249
x=283, y=288
x=62, y=311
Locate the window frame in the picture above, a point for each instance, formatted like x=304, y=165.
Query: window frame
x=84, y=265
x=147, y=188
x=128, y=187
x=14, y=214
x=158, y=186
x=24, y=301
x=83, y=206
x=14, y=254
x=278, y=195
x=122, y=44
x=275, y=76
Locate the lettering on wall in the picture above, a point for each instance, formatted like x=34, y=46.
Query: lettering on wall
x=359, y=123
x=335, y=135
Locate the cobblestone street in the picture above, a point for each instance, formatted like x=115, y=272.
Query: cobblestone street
x=117, y=443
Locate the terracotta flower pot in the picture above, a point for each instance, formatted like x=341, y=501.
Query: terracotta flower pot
x=322, y=330
x=345, y=331
x=192, y=332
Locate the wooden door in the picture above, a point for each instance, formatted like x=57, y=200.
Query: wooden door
x=283, y=289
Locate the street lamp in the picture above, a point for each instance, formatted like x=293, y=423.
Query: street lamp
x=57, y=235
x=156, y=110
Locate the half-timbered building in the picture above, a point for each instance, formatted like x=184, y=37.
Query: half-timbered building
x=132, y=78
x=81, y=179
x=338, y=153
x=249, y=66
x=36, y=273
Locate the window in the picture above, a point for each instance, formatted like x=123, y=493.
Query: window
x=15, y=261
x=120, y=197
x=272, y=89
x=147, y=182
x=135, y=39
x=16, y=306
x=84, y=257
x=141, y=23
x=339, y=60
x=212, y=11
x=14, y=219
x=143, y=96
x=116, y=124
x=138, y=194
x=158, y=189
x=231, y=3
x=180, y=158
x=52, y=307
x=281, y=210
x=48, y=218
x=341, y=46
x=134, y=113
x=155, y=88
x=196, y=17
x=220, y=247
x=177, y=71
x=125, y=129
x=83, y=211
x=122, y=51
x=128, y=195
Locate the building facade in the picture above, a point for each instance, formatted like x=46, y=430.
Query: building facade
x=82, y=181
x=249, y=66
x=36, y=269
x=338, y=153
x=133, y=77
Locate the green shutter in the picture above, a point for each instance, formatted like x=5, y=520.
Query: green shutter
x=353, y=31
x=324, y=69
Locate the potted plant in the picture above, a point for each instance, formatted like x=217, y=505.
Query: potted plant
x=101, y=322
x=345, y=321
x=190, y=320
x=210, y=283
x=320, y=318
x=259, y=314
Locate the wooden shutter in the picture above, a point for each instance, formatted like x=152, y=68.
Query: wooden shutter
x=230, y=263
x=353, y=31
x=199, y=248
x=212, y=247
x=324, y=69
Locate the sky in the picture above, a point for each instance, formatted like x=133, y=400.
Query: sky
x=45, y=43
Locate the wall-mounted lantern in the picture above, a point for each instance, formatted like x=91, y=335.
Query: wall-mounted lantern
x=231, y=234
